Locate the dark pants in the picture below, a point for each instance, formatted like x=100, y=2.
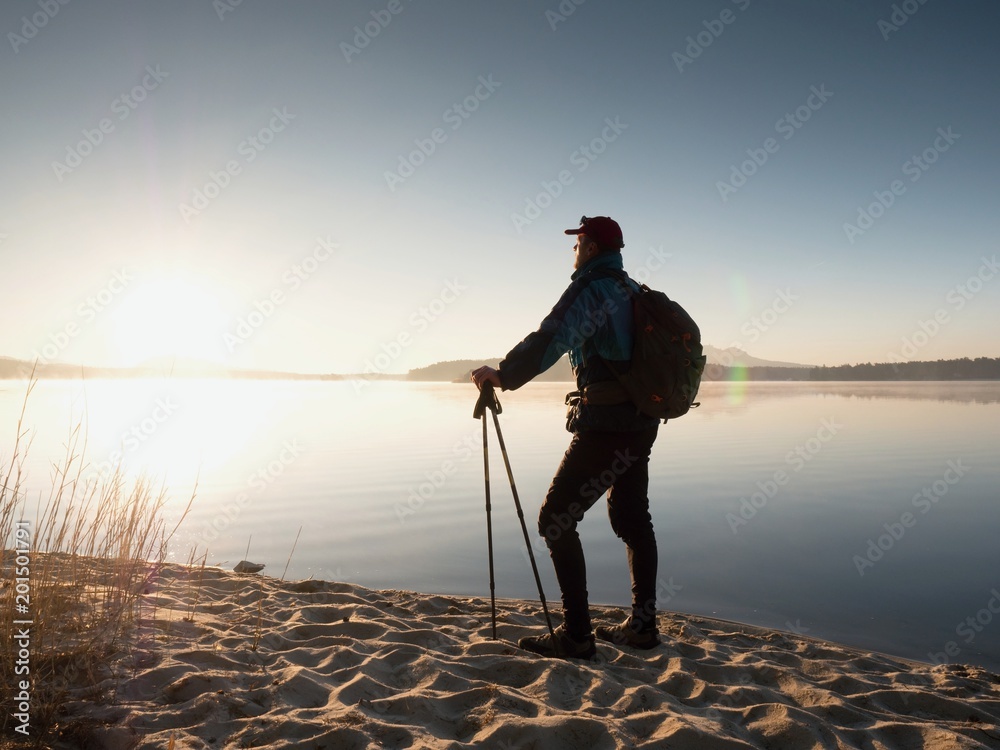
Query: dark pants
x=596, y=462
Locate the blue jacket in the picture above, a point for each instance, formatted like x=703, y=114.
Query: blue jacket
x=593, y=322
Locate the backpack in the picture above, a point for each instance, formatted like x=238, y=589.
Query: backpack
x=667, y=359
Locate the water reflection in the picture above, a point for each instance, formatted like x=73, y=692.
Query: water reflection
x=975, y=392
x=388, y=485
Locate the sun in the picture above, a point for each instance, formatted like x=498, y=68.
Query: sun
x=169, y=317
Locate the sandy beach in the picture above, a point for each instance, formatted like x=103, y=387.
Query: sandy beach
x=227, y=660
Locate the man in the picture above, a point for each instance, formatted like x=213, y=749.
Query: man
x=611, y=440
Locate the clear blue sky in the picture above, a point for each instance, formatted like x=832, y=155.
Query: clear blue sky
x=109, y=257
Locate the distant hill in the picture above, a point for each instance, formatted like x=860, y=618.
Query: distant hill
x=561, y=372
x=734, y=357
x=459, y=370
x=450, y=371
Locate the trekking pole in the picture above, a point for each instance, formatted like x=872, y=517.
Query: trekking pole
x=488, y=399
x=481, y=406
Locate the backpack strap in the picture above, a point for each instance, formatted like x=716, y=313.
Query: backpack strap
x=622, y=278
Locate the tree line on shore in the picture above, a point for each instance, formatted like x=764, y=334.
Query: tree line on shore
x=980, y=368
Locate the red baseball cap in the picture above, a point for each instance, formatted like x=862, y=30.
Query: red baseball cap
x=602, y=230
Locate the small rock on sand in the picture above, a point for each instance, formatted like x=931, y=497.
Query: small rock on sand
x=244, y=566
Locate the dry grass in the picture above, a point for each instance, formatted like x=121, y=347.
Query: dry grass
x=95, y=547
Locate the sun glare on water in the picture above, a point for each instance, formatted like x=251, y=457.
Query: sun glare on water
x=169, y=317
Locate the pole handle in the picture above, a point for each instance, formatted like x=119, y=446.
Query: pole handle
x=487, y=400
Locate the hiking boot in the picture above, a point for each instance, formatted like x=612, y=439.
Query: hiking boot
x=626, y=634
x=565, y=646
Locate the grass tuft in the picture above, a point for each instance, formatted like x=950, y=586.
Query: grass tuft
x=75, y=566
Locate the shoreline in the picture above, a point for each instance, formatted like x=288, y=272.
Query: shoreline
x=313, y=664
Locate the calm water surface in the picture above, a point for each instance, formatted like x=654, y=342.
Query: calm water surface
x=866, y=513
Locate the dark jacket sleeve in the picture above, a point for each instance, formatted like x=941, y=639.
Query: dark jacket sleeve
x=554, y=337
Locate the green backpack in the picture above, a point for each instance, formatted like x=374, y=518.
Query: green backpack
x=667, y=359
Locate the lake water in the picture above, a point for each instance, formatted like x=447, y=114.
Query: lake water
x=866, y=513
